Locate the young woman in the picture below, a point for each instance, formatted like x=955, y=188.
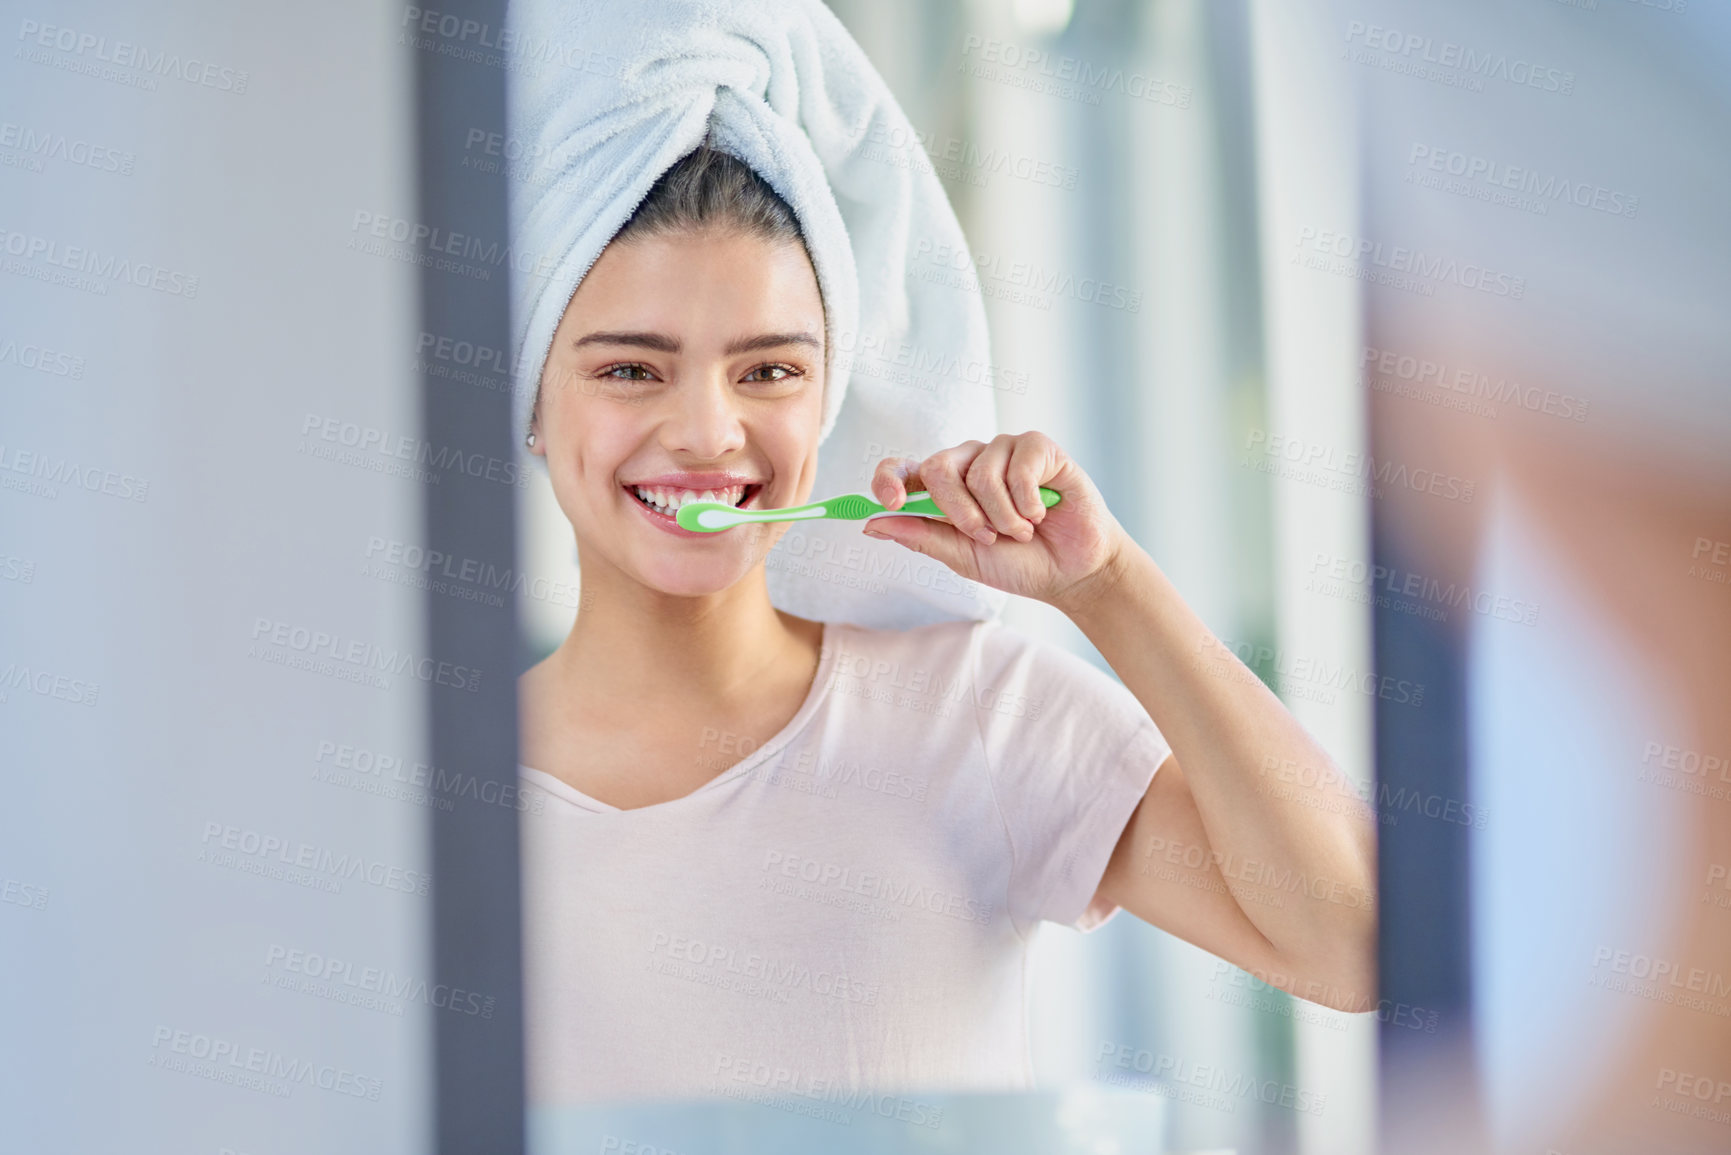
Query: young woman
x=807, y=856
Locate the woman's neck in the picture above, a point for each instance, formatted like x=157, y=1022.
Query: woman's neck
x=643, y=646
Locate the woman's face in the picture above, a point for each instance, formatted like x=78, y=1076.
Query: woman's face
x=685, y=364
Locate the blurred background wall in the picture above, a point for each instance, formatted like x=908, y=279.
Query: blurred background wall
x=1544, y=242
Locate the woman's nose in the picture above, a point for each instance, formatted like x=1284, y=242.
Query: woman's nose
x=706, y=421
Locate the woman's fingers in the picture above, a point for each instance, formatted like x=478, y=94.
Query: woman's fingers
x=983, y=490
x=890, y=480
x=944, y=476
x=988, y=480
x=1031, y=465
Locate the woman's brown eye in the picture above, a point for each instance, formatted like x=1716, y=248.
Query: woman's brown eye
x=629, y=372
x=781, y=372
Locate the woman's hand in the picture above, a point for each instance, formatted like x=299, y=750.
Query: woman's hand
x=997, y=531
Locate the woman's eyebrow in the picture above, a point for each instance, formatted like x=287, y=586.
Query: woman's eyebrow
x=662, y=343
x=771, y=341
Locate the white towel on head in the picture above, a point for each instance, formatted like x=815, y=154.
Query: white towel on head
x=606, y=96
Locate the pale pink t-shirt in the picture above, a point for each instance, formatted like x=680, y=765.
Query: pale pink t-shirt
x=848, y=904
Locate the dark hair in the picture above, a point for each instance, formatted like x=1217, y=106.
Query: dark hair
x=708, y=188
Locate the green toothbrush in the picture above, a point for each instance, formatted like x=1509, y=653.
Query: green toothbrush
x=715, y=516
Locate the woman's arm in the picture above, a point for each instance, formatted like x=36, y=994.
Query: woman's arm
x=1249, y=842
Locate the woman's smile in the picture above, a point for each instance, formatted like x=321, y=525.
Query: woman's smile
x=661, y=497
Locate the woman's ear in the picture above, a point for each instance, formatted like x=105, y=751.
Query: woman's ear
x=534, y=441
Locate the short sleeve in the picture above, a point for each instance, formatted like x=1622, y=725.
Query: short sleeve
x=1070, y=752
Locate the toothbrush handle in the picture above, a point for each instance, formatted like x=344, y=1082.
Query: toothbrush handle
x=921, y=502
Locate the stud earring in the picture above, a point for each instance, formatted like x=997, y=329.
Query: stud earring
x=531, y=441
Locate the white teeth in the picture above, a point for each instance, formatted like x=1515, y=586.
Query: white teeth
x=669, y=500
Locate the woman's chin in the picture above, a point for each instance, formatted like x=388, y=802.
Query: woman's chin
x=693, y=580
